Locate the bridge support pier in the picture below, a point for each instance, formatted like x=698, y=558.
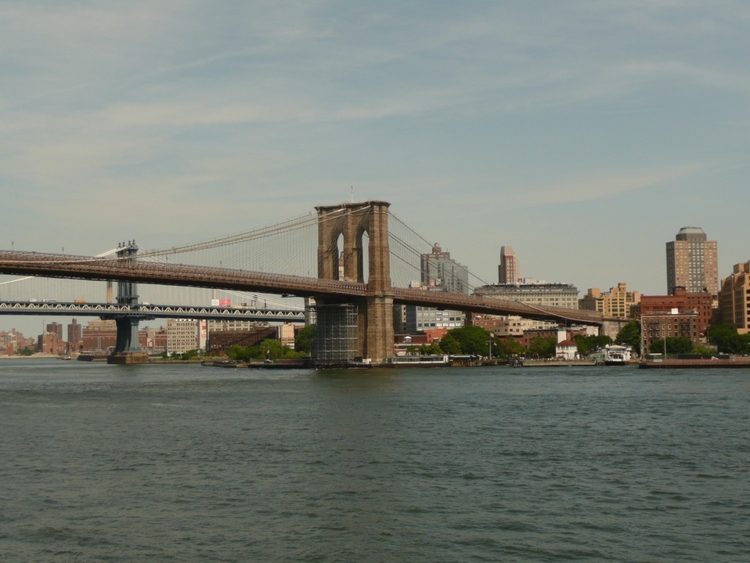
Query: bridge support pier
x=378, y=335
x=128, y=348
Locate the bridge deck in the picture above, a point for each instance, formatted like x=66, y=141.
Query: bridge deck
x=84, y=267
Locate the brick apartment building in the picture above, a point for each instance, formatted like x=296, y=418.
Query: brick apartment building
x=682, y=301
x=734, y=298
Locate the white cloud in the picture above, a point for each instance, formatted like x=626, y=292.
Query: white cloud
x=597, y=186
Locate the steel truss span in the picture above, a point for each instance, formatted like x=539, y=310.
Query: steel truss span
x=149, y=311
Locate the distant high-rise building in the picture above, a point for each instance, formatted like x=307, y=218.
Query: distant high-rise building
x=48, y=343
x=440, y=272
x=616, y=303
x=692, y=262
x=508, y=270
x=75, y=336
x=57, y=329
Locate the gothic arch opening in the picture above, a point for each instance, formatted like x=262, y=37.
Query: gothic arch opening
x=339, y=270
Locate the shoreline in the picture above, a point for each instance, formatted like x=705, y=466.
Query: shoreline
x=32, y=357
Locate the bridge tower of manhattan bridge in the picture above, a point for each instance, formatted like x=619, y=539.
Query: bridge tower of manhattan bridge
x=127, y=348
x=362, y=328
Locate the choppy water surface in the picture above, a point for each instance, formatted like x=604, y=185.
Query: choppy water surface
x=184, y=463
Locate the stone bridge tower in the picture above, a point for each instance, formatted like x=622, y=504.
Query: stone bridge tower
x=375, y=312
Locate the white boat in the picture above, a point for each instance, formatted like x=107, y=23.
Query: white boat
x=611, y=355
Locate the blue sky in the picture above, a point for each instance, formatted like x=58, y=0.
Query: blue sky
x=583, y=134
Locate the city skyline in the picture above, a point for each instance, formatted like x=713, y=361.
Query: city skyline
x=583, y=135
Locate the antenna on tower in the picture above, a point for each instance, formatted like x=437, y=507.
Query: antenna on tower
x=352, y=192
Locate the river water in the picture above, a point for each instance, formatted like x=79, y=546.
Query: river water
x=186, y=463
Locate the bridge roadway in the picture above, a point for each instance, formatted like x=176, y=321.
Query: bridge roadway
x=91, y=268
x=149, y=311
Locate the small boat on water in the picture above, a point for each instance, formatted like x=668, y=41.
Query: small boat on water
x=611, y=355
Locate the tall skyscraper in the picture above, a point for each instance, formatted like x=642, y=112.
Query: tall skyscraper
x=508, y=270
x=692, y=262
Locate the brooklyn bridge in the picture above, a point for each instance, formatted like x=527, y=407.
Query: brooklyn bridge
x=352, y=261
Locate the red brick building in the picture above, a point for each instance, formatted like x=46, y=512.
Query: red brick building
x=684, y=302
x=101, y=336
x=661, y=325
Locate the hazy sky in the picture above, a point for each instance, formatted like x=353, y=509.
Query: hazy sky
x=583, y=134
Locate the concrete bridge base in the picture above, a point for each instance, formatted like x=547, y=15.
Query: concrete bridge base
x=128, y=358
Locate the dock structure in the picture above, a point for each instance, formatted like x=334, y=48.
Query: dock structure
x=713, y=363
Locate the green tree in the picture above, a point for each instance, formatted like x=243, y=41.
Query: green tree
x=271, y=349
x=289, y=353
x=303, y=342
x=727, y=340
x=679, y=345
x=430, y=349
x=512, y=347
x=25, y=352
x=253, y=352
x=449, y=345
x=472, y=339
x=656, y=346
x=497, y=347
x=582, y=343
x=675, y=345
x=587, y=344
x=630, y=335
x=237, y=352
x=543, y=346
x=703, y=350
